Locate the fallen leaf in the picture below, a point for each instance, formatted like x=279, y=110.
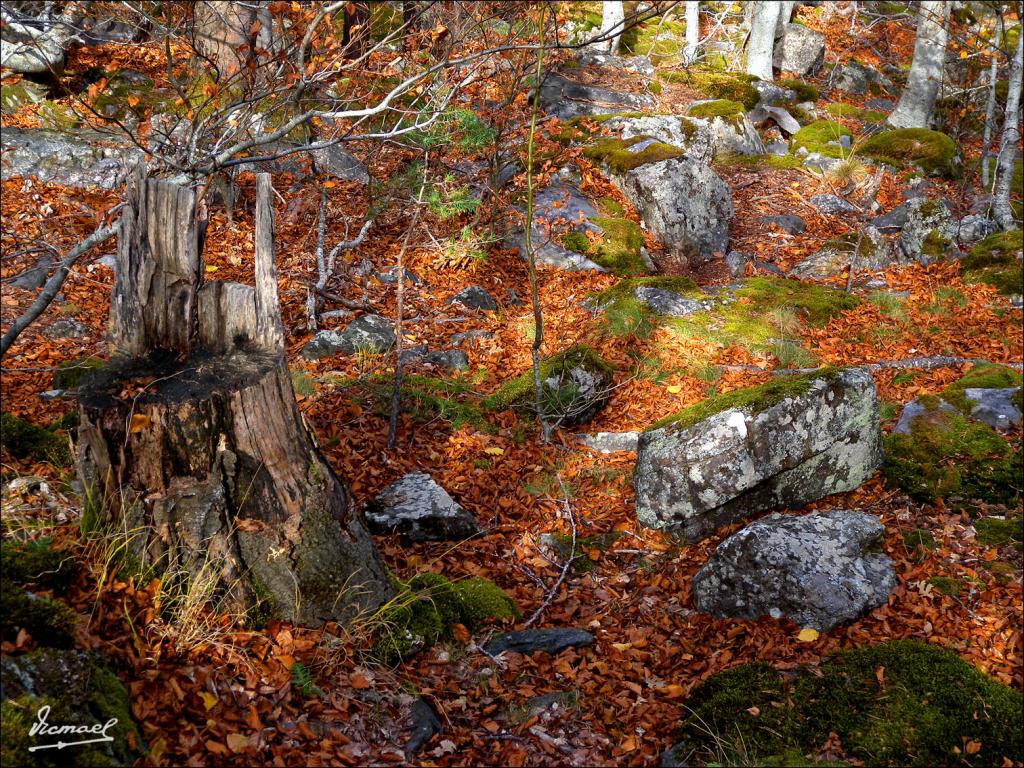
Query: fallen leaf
x=237, y=742
x=807, y=635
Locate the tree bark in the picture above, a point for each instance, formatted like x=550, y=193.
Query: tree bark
x=761, y=46
x=990, y=107
x=692, y=31
x=917, y=102
x=612, y=17
x=1001, y=209
x=220, y=29
x=191, y=439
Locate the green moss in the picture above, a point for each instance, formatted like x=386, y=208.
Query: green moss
x=1003, y=573
x=27, y=441
x=725, y=108
x=935, y=244
x=984, y=376
x=997, y=532
x=625, y=314
x=519, y=391
x=659, y=38
x=766, y=310
x=994, y=261
x=931, y=151
x=751, y=400
x=426, y=398
x=816, y=137
x=841, y=109
x=924, y=703
x=946, y=456
x=47, y=620
x=946, y=586
x=615, y=154
x=586, y=127
x=582, y=562
x=303, y=383
x=428, y=607
x=654, y=87
x=619, y=248
x=919, y=538
x=576, y=242
x=58, y=117
x=804, y=91
x=719, y=85
x=36, y=562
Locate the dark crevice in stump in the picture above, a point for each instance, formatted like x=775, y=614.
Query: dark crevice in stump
x=192, y=438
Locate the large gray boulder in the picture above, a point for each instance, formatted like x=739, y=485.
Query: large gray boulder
x=565, y=99
x=928, y=230
x=783, y=444
x=800, y=51
x=818, y=570
x=692, y=135
x=835, y=257
x=421, y=510
x=684, y=204
x=83, y=158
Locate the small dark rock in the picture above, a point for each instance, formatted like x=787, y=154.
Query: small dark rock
x=425, y=726
x=67, y=329
x=550, y=641
x=674, y=756
x=475, y=297
x=788, y=223
x=421, y=510
x=829, y=203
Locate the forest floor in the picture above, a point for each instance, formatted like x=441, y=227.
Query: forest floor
x=231, y=698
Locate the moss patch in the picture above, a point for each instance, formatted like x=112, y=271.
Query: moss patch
x=719, y=85
x=985, y=376
x=47, y=620
x=840, y=109
x=766, y=311
x=36, y=562
x=27, y=441
x=946, y=586
x=615, y=153
x=804, y=91
x=927, y=703
x=997, y=532
x=519, y=391
x=931, y=151
x=946, y=456
x=427, y=608
x=816, y=137
x=626, y=315
x=619, y=248
x=994, y=261
x=725, y=108
x=752, y=400
x=585, y=127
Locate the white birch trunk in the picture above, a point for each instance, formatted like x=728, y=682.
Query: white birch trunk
x=612, y=17
x=917, y=102
x=692, y=31
x=785, y=14
x=1001, y=209
x=761, y=45
x=990, y=109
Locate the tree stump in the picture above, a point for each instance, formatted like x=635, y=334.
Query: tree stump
x=191, y=440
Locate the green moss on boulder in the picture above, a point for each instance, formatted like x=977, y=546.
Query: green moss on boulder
x=919, y=711
x=719, y=85
x=946, y=456
x=994, y=261
x=816, y=137
x=984, y=376
x=754, y=400
x=841, y=109
x=619, y=248
x=46, y=620
x=36, y=562
x=725, y=108
x=616, y=154
x=933, y=152
x=27, y=441
x=804, y=91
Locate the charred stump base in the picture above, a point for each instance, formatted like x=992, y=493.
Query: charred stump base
x=207, y=465
x=190, y=440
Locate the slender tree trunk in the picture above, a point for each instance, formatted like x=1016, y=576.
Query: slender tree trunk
x=191, y=443
x=221, y=29
x=692, y=31
x=990, y=107
x=917, y=102
x=761, y=46
x=612, y=17
x=1011, y=136
x=356, y=29
x=785, y=14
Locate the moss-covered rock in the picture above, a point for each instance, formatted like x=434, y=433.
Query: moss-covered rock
x=36, y=562
x=752, y=399
x=575, y=385
x=70, y=373
x=427, y=608
x=46, y=620
x=1000, y=531
x=984, y=376
x=946, y=456
x=80, y=690
x=724, y=108
x=899, y=703
x=804, y=91
x=27, y=441
x=933, y=152
x=995, y=261
x=719, y=85
x=816, y=137
x=618, y=250
x=626, y=314
x=617, y=156
x=841, y=109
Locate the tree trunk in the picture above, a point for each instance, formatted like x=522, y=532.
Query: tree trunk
x=692, y=31
x=612, y=17
x=917, y=102
x=761, y=46
x=190, y=437
x=785, y=14
x=1001, y=208
x=990, y=107
x=221, y=29
x=356, y=29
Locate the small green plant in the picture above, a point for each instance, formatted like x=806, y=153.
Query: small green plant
x=302, y=679
x=446, y=200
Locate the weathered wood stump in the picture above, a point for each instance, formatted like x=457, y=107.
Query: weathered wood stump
x=191, y=437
